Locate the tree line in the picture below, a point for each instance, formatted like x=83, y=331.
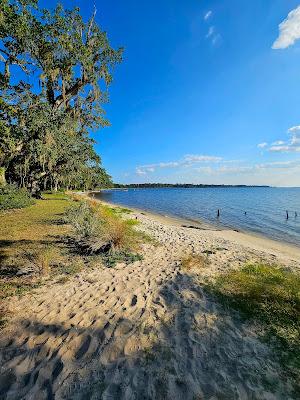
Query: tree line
x=55, y=70
x=177, y=185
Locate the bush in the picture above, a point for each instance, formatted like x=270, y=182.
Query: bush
x=12, y=197
x=83, y=219
x=100, y=230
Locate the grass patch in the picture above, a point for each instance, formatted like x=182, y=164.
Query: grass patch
x=32, y=245
x=194, y=261
x=119, y=210
x=271, y=295
x=16, y=288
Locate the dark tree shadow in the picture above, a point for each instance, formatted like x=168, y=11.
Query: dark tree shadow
x=181, y=346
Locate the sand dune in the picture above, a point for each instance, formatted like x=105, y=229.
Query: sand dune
x=143, y=331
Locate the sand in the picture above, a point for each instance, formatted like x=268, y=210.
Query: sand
x=144, y=331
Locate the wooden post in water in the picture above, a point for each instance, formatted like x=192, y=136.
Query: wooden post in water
x=287, y=214
x=218, y=213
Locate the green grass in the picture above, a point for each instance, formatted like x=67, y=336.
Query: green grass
x=271, y=295
x=32, y=236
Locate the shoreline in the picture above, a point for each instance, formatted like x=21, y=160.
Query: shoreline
x=120, y=329
x=246, y=239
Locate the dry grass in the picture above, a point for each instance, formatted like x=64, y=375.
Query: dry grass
x=194, y=262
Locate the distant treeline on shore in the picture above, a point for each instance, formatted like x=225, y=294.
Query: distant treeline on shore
x=177, y=185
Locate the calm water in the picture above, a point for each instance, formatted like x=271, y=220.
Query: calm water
x=265, y=207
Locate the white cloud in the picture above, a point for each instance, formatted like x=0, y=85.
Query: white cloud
x=139, y=171
x=216, y=39
x=278, y=143
x=216, y=170
x=285, y=149
x=210, y=32
x=289, y=30
x=187, y=161
x=292, y=145
x=248, y=169
x=208, y=15
x=294, y=129
x=262, y=145
x=190, y=158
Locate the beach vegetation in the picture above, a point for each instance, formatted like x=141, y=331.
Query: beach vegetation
x=100, y=229
x=270, y=295
x=34, y=246
x=194, y=262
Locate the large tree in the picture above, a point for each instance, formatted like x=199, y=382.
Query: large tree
x=55, y=71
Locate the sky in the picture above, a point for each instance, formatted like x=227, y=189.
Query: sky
x=208, y=91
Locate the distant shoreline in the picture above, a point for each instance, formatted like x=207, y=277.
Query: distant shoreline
x=180, y=185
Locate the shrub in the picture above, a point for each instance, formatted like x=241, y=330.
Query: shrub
x=100, y=230
x=83, y=219
x=12, y=197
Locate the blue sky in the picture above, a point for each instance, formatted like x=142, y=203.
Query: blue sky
x=201, y=96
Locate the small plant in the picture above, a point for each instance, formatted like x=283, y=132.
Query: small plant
x=12, y=197
x=194, y=261
x=44, y=258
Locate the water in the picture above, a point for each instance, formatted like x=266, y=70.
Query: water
x=265, y=207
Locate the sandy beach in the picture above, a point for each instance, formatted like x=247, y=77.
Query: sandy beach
x=147, y=330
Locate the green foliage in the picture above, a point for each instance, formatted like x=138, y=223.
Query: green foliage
x=45, y=139
x=12, y=197
x=271, y=295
